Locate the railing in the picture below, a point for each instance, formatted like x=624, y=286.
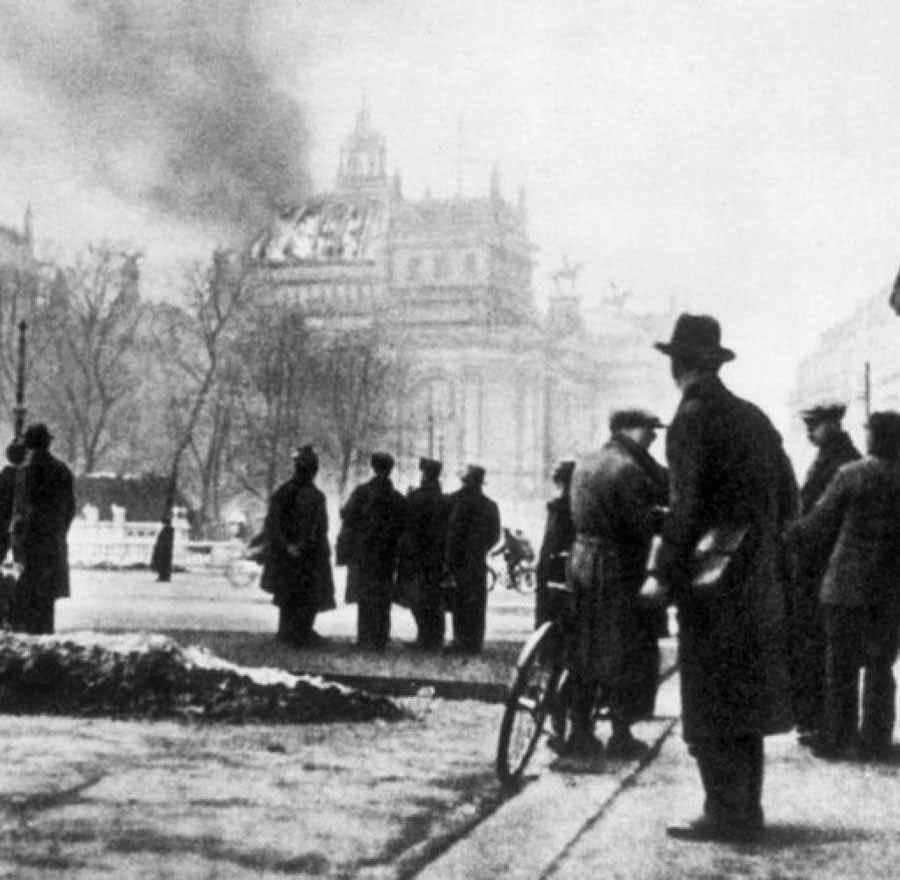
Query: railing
x=130, y=544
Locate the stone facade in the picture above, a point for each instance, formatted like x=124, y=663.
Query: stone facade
x=836, y=368
x=493, y=381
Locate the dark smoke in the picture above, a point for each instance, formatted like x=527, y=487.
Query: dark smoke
x=168, y=103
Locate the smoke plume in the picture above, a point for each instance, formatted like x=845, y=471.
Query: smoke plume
x=170, y=104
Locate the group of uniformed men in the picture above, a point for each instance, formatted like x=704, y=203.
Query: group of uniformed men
x=426, y=551
x=782, y=596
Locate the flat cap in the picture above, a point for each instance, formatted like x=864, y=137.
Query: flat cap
x=623, y=419
x=823, y=411
x=305, y=457
x=562, y=473
x=382, y=461
x=474, y=474
x=430, y=467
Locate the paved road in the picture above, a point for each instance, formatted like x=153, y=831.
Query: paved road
x=207, y=602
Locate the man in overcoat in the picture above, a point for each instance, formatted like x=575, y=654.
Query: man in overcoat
x=807, y=630
x=46, y=508
x=856, y=526
x=427, y=512
x=731, y=484
x=559, y=535
x=617, y=496
x=15, y=455
x=297, y=567
x=375, y=515
x=474, y=528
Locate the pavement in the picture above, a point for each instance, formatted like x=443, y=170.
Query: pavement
x=416, y=798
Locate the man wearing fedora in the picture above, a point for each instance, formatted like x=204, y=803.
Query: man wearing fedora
x=474, y=528
x=427, y=511
x=45, y=510
x=375, y=515
x=617, y=495
x=732, y=485
x=834, y=448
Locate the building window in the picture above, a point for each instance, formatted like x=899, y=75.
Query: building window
x=471, y=265
x=415, y=268
x=441, y=266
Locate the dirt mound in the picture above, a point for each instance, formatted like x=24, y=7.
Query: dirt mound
x=152, y=677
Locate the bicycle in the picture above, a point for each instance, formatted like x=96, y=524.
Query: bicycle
x=524, y=577
x=540, y=690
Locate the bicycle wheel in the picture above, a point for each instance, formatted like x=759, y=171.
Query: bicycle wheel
x=537, y=675
x=526, y=579
x=242, y=573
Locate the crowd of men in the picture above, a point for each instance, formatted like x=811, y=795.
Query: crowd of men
x=784, y=594
x=426, y=550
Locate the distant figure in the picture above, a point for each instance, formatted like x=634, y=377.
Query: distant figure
x=515, y=550
x=15, y=455
x=807, y=630
x=46, y=508
x=375, y=517
x=559, y=535
x=297, y=563
x=163, y=547
x=474, y=528
x=422, y=555
x=855, y=525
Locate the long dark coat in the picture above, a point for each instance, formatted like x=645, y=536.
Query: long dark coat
x=727, y=467
x=374, y=520
x=856, y=526
x=422, y=545
x=552, y=564
x=45, y=510
x=7, y=495
x=616, y=493
x=298, y=517
x=474, y=528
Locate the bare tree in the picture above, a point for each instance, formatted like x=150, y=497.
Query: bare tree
x=274, y=349
x=84, y=329
x=361, y=374
x=194, y=340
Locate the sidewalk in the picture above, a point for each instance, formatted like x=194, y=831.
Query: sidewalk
x=824, y=820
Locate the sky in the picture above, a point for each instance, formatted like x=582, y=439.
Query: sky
x=739, y=159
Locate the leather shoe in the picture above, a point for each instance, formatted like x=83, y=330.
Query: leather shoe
x=705, y=828
x=626, y=748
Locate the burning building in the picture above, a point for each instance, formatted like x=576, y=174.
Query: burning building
x=493, y=381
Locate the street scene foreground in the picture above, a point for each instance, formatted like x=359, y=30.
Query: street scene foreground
x=418, y=797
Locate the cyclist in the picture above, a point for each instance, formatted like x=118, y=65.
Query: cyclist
x=515, y=550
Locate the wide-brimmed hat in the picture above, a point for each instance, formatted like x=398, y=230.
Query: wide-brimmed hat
x=697, y=336
x=826, y=410
x=37, y=436
x=474, y=474
x=430, y=467
x=624, y=419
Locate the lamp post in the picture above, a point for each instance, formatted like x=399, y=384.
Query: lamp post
x=20, y=410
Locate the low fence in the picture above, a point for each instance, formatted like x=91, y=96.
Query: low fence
x=121, y=544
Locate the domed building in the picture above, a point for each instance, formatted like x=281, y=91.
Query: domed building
x=493, y=381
